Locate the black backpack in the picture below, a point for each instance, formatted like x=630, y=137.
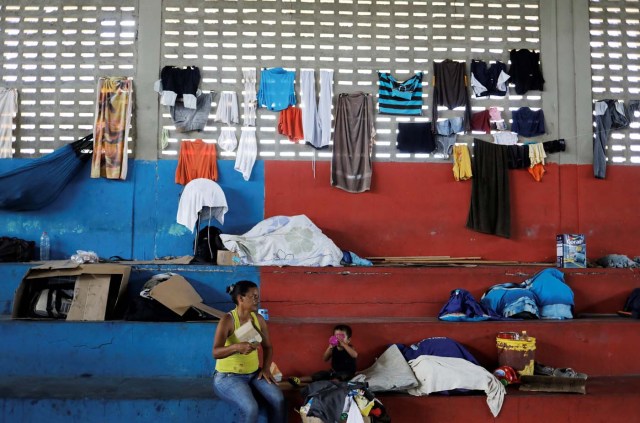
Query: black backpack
x=207, y=244
x=16, y=249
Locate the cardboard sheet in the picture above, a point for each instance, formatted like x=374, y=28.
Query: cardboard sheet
x=177, y=294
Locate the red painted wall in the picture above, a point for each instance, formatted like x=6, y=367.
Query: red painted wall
x=418, y=209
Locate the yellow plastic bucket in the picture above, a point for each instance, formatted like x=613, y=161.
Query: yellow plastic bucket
x=517, y=353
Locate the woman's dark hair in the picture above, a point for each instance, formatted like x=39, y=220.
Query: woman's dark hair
x=344, y=328
x=240, y=288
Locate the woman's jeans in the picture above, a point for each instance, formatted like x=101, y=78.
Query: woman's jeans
x=246, y=391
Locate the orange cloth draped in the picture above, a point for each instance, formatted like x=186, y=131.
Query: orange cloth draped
x=197, y=159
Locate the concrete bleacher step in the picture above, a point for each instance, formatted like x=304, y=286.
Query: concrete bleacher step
x=111, y=400
x=108, y=399
x=421, y=291
x=596, y=346
x=149, y=371
x=608, y=399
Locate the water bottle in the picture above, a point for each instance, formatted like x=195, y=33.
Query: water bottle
x=44, y=247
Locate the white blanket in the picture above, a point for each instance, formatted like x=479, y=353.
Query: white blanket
x=390, y=372
x=437, y=374
x=284, y=241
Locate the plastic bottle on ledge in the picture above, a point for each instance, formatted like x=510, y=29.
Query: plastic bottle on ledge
x=45, y=246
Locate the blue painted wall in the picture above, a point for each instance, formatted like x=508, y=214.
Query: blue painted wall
x=135, y=218
x=10, y=276
x=117, y=348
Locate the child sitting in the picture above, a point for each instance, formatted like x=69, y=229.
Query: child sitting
x=342, y=356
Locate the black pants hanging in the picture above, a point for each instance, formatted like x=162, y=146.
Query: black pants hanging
x=490, y=210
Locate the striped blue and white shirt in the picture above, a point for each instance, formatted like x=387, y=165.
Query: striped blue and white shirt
x=400, y=98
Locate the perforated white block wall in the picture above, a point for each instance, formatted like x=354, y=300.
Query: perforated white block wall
x=615, y=67
x=53, y=52
x=355, y=38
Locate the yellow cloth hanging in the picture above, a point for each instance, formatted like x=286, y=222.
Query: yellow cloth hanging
x=461, y=163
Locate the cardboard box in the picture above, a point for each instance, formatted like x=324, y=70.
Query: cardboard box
x=571, y=251
x=98, y=289
x=179, y=295
x=227, y=258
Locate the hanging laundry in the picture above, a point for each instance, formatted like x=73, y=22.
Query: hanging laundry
x=400, y=98
x=353, y=139
x=461, y=163
x=537, y=156
x=554, y=146
x=176, y=83
x=8, y=111
x=518, y=157
x=633, y=107
x=227, y=111
x=486, y=81
x=450, y=89
x=290, y=124
x=537, y=153
x=227, y=140
x=490, y=210
x=537, y=171
x=496, y=120
x=163, y=139
x=250, y=98
x=450, y=126
x=446, y=130
x=527, y=122
x=444, y=145
x=494, y=114
x=187, y=120
x=247, y=152
x=316, y=121
x=415, y=137
x=481, y=122
x=201, y=197
x=111, y=128
x=610, y=115
x=525, y=70
x=276, y=89
x=505, y=138
x=196, y=159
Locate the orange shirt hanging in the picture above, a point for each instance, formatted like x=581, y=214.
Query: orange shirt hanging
x=197, y=159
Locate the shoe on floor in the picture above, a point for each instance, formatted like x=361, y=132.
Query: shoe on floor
x=569, y=372
x=542, y=370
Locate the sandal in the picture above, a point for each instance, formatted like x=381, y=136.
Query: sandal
x=294, y=381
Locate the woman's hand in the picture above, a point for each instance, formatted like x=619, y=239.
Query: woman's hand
x=245, y=347
x=266, y=375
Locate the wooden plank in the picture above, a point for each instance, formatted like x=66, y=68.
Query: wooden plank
x=553, y=384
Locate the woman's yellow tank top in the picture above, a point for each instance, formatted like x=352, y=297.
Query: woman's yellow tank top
x=239, y=363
